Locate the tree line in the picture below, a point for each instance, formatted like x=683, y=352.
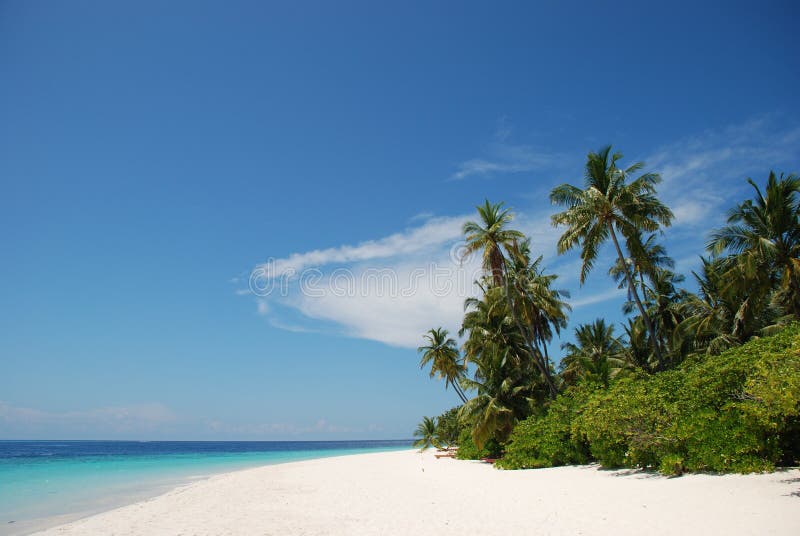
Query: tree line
x=748, y=286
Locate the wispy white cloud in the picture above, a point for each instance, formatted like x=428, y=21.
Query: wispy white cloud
x=137, y=418
x=599, y=297
x=506, y=158
x=432, y=234
x=501, y=156
x=391, y=289
x=703, y=173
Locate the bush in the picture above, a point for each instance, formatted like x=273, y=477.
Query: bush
x=548, y=440
x=448, y=427
x=734, y=412
x=626, y=425
x=467, y=450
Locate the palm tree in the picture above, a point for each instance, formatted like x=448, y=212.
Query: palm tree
x=491, y=236
x=764, y=236
x=710, y=313
x=426, y=432
x=539, y=310
x=647, y=256
x=441, y=353
x=500, y=402
x=506, y=381
x=545, y=309
x=505, y=393
x=596, y=354
x=665, y=305
x=607, y=205
x=727, y=310
x=637, y=350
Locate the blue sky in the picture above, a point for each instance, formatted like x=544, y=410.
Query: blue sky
x=154, y=154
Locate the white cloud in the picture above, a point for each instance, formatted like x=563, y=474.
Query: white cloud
x=391, y=289
x=597, y=298
x=695, y=171
x=432, y=234
x=506, y=158
x=704, y=173
x=119, y=419
x=428, y=295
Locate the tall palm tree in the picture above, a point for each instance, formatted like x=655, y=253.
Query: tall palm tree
x=764, y=236
x=608, y=205
x=539, y=310
x=491, y=235
x=441, y=353
x=596, y=354
x=545, y=309
x=426, y=432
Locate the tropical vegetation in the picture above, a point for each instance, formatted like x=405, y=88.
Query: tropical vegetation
x=702, y=375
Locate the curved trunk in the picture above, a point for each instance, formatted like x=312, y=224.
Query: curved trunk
x=647, y=322
x=460, y=392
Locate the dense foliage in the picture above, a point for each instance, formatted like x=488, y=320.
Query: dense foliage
x=449, y=427
x=737, y=411
x=677, y=387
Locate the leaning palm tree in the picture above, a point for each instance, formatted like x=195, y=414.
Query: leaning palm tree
x=426, y=432
x=441, y=353
x=763, y=234
x=606, y=206
x=491, y=235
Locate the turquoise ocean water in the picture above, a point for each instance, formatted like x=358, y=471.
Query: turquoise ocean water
x=44, y=482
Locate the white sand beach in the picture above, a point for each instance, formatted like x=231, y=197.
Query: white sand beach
x=407, y=493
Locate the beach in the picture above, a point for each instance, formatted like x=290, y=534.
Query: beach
x=407, y=492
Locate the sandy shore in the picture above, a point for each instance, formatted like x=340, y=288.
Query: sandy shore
x=406, y=493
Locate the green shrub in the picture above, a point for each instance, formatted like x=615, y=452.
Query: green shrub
x=448, y=427
x=467, y=450
x=628, y=424
x=548, y=440
x=672, y=465
x=734, y=412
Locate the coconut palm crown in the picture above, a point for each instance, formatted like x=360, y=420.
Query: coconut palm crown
x=763, y=234
x=606, y=206
x=441, y=353
x=491, y=235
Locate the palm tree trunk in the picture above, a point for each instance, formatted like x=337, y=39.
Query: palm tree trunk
x=532, y=348
x=497, y=265
x=647, y=322
x=460, y=392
